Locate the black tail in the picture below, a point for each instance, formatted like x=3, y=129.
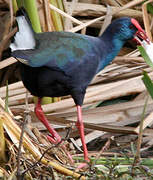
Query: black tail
x=21, y=12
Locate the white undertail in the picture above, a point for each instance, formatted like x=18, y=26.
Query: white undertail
x=24, y=38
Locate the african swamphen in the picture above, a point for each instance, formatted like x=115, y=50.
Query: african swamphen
x=62, y=63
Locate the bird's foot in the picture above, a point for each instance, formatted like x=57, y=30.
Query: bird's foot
x=82, y=166
x=67, y=153
x=57, y=141
x=54, y=140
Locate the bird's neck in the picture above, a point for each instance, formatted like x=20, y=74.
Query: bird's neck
x=113, y=45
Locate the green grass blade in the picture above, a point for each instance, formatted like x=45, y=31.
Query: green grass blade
x=148, y=83
x=150, y=8
x=145, y=56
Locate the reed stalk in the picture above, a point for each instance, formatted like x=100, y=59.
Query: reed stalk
x=15, y=131
x=61, y=7
x=57, y=20
x=2, y=137
x=6, y=98
x=58, y=23
x=15, y=6
x=31, y=7
x=2, y=142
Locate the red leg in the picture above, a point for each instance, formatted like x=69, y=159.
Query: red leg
x=55, y=139
x=40, y=114
x=80, y=126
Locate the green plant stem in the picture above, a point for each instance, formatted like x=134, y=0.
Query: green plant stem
x=20, y=3
x=61, y=7
x=15, y=6
x=122, y=161
x=56, y=17
x=148, y=83
x=30, y=6
x=137, y=156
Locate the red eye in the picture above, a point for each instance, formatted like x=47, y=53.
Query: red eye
x=132, y=26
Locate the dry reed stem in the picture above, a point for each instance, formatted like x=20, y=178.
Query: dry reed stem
x=13, y=92
x=12, y=127
x=113, y=90
x=65, y=14
x=69, y=9
x=112, y=3
x=140, y=135
x=147, y=121
x=146, y=19
x=7, y=62
x=81, y=26
x=2, y=143
x=47, y=15
x=107, y=20
x=13, y=86
x=6, y=37
x=128, y=5
x=2, y=104
x=11, y=13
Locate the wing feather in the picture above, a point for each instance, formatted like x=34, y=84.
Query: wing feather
x=59, y=50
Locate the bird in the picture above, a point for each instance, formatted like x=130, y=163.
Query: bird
x=56, y=64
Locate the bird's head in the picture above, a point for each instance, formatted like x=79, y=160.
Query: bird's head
x=126, y=28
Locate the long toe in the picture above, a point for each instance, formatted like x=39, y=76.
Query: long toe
x=82, y=166
x=54, y=140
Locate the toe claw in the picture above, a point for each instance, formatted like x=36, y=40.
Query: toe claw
x=82, y=165
x=58, y=140
x=54, y=140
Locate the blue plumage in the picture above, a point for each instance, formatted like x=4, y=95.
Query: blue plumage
x=75, y=57
x=71, y=60
x=65, y=51
x=58, y=50
x=63, y=63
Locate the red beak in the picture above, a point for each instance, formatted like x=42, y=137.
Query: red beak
x=140, y=34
